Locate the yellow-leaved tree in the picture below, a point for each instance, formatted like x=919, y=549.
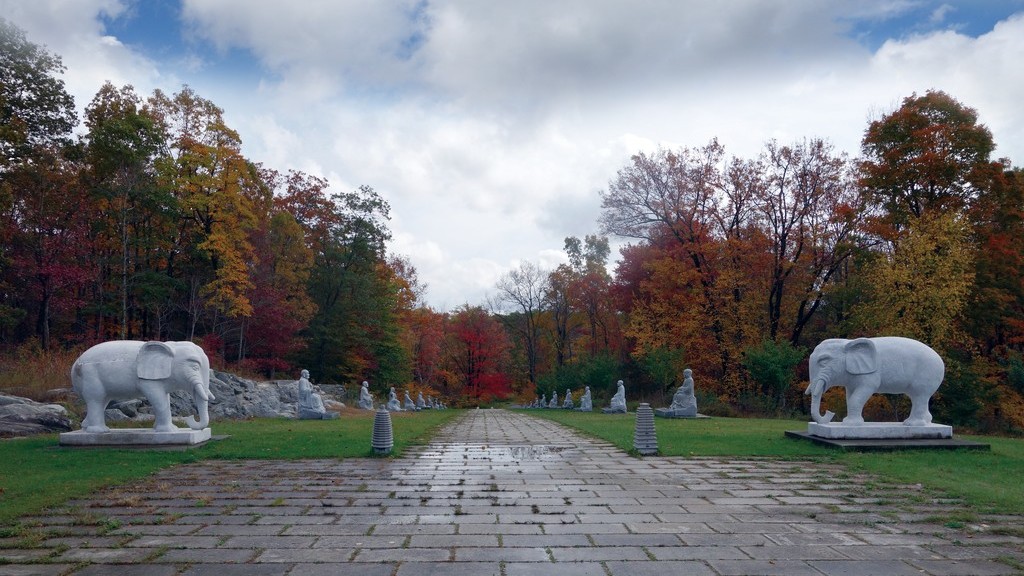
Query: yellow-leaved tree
x=920, y=286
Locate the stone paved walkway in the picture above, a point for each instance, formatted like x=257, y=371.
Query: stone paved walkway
x=502, y=493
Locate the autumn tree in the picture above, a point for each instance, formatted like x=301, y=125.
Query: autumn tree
x=677, y=196
x=36, y=110
x=209, y=178
x=589, y=289
x=477, y=350
x=48, y=248
x=919, y=289
x=995, y=311
x=425, y=335
x=355, y=335
x=558, y=305
x=132, y=244
x=279, y=295
x=808, y=210
x=926, y=164
x=43, y=225
x=520, y=299
x=929, y=154
x=703, y=275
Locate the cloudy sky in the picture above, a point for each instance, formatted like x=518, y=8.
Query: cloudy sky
x=490, y=126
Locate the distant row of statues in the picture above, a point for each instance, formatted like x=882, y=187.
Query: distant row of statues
x=586, y=404
x=684, y=402
x=394, y=405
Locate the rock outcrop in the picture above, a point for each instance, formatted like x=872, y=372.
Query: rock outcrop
x=22, y=417
x=235, y=398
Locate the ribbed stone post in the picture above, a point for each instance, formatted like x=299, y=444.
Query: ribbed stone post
x=383, y=436
x=644, y=439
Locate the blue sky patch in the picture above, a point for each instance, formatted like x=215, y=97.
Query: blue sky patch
x=969, y=17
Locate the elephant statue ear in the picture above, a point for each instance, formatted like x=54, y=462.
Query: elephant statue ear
x=861, y=356
x=155, y=361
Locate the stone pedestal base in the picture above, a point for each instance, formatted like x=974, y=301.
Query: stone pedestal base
x=878, y=430
x=310, y=415
x=136, y=437
x=613, y=410
x=669, y=413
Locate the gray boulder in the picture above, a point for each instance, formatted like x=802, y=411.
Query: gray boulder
x=22, y=417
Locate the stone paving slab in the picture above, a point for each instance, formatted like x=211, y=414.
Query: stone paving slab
x=506, y=494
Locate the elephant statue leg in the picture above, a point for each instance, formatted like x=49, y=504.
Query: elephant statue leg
x=855, y=401
x=95, y=416
x=160, y=400
x=919, y=414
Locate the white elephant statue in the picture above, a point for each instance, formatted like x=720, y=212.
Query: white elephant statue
x=124, y=369
x=889, y=365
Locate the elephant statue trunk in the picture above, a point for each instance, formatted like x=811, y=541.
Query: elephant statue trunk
x=202, y=400
x=816, y=389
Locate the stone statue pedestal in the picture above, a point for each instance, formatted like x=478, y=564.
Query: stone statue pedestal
x=136, y=437
x=878, y=431
x=670, y=413
x=305, y=414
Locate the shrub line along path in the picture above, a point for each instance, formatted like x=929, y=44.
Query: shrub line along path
x=503, y=493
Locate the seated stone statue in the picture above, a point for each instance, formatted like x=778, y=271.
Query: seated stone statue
x=618, y=402
x=311, y=405
x=393, y=404
x=684, y=402
x=554, y=400
x=409, y=404
x=365, y=399
x=568, y=403
x=420, y=403
x=586, y=403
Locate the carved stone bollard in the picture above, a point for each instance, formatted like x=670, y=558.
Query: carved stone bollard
x=383, y=436
x=644, y=439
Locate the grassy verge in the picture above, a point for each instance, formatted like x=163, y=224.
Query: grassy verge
x=37, y=473
x=988, y=481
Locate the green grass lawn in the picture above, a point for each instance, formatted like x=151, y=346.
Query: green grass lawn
x=991, y=482
x=37, y=473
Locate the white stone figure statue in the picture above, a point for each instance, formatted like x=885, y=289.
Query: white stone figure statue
x=124, y=369
x=393, y=403
x=311, y=405
x=408, y=403
x=554, y=400
x=684, y=402
x=618, y=402
x=568, y=403
x=543, y=401
x=365, y=398
x=586, y=402
x=420, y=403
